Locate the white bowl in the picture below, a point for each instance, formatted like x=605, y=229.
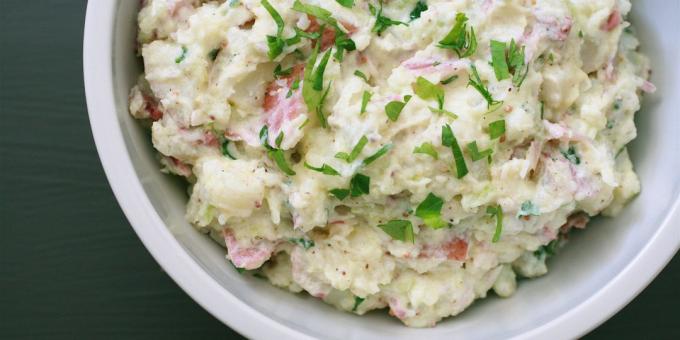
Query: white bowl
x=599, y=271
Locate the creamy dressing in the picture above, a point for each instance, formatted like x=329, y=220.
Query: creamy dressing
x=209, y=88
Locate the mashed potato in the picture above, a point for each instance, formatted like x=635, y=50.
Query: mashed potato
x=410, y=155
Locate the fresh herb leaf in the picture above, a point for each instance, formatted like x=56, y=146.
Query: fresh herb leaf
x=213, y=54
x=357, y=302
x=279, y=139
x=275, y=43
x=528, y=208
x=421, y=7
x=182, y=55
x=346, y=3
x=496, y=211
x=449, y=140
x=280, y=159
x=280, y=72
x=500, y=66
x=361, y=75
x=517, y=64
x=349, y=158
x=428, y=149
x=340, y=193
x=324, y=169
x=475, y=154
x=443, y=112
x=342, y=41
x=430, y=210
x=449, y=80
x=476, y=82
x=224, y=147
x=571, y=155
x=496, y=129
x=382, y=22
x=360, y=184
x=302, y=242
x=275, y=15
x=400, y=230
x=312, y=87
x=427, y=90
x=372, y=158
x=459, y=39
x=293, y=87
x=365, y=98
x=393, y=109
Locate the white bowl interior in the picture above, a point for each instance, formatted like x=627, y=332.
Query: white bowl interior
x=589, y=262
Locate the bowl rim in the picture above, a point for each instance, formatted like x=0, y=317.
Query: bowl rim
x=197, y=283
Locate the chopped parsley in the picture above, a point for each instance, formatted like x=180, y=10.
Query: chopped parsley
x=294, y=86
x=528, y=208
x=382, y=22
x=372, y=158
x=496, y=211
x=393, y=109
x=213, y=54
x=275, y=154
x=339, y=193
x=476, y=82
x=449, y=140
x=507, y=61
x=496, y=129
x=361, y=75
x=430, y=210
x=275, y=43
x=421, y=7
x=346, y=3
x=401, y=230
x=312, y=87
x=426, y=90
x=302, y=242
x=342, y=41
x=571, y=155
x=280, y=72
x=182, y=56
x=224, y=147
x=449, y=80
x=444, y=112
x=365, y=98
x=356, y=150
x=357, y=302
x=475, y=154
x=359, y=185
x=324, y=169
x=428, y=149
x=459, y=39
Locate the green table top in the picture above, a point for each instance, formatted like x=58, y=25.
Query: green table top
x=70, y=264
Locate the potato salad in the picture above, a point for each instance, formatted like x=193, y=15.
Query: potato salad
x=408, y=155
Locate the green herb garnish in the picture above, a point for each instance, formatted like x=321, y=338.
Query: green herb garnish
x=428, y=149
x=372, y=158
x=475, y=154
x=496, y=129
x=356, y=150
x=571, y=155
x=312, y=87
x=302, y=242
x=359, y=185
x=365, y=98
x=476, y=82
x=421, y=7
x=340, y=193
x=449, y=140
x=275, y=43
x=498, y=61
x=459, y=39
x=400, y=230
x=506, y=61
x=346, y=3
x=547, y=250
x=324, y=169
x=342, y=41
x=182, y=55
x=224, y=147
x=430, y=210
x=275, y=154
x=496, y=211
x=357, y=302
x=449, y=80
x=361, y=75
x=427, y=90
x=528, y=208
x=213, y=54
x=393, y=109
x=382, y=22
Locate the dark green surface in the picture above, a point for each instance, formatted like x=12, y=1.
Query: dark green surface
x=70, y=264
